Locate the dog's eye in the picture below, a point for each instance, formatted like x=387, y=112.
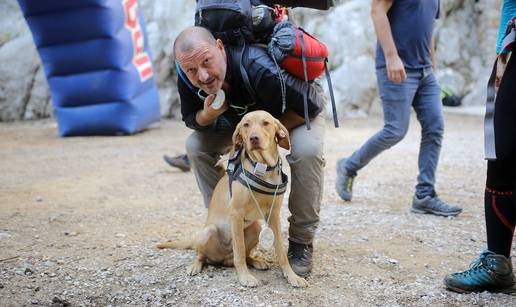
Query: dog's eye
x=265, y=123
x=246, y=125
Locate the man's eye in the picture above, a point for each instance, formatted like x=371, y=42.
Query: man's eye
x=207, y=61
x=190, y=71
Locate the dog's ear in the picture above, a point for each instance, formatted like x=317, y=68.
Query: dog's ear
x=237, y=139
x=282, y=135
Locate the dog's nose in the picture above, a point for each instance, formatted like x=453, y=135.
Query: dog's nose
x=254, y=139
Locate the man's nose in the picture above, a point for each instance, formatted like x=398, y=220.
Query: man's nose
x=203, y=75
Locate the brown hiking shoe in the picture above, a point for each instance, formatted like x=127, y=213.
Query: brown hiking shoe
x=300, y=257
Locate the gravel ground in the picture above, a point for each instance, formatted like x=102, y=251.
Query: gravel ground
x=79, y=219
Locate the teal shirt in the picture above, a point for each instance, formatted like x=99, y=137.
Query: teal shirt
x=508, y=12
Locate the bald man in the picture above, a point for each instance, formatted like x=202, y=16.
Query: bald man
x=208, y=66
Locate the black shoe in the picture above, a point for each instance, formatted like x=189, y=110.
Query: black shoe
x=180, y=162
x=300, y=257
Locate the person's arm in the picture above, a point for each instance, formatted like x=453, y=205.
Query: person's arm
x=196, y=114
x=271, y=99
x=395, y=69
x=502, y=57
x=208, y=115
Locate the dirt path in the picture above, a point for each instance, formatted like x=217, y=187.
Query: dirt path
x=79, y=218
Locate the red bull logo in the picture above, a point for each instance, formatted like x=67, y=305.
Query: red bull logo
x=141, y=59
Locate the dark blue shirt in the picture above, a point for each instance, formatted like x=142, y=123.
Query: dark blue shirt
x=412, y=26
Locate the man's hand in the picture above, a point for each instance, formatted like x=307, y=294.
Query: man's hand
x=501, y=64
x=208, y=115
x=395, y=69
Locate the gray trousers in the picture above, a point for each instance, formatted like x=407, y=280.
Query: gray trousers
x=306, y=164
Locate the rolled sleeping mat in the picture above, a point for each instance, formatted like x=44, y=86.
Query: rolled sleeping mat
x=97, y=62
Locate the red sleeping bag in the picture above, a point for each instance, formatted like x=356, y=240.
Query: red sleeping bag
x=315, y=52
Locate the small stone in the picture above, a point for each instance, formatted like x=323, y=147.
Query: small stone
x=120, y=235
x=393, y=261
x=34, y=302
x=37, y=289
x=39, y=199
x=57, y=301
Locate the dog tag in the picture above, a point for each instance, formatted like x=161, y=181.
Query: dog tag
x=266, y=237
x=260, y=169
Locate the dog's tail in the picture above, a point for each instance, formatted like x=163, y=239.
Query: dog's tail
x=182, y=244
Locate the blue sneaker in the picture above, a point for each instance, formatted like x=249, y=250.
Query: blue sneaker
x=344, y=183
x=490, y=272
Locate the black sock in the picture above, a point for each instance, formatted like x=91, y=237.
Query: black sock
x=500, y=212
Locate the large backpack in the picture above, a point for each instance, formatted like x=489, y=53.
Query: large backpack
x=297, y=52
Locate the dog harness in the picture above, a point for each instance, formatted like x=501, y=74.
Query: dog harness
x=236, y=171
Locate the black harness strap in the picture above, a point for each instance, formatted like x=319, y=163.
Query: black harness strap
x=236, y=171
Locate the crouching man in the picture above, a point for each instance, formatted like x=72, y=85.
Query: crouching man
x=207, y=66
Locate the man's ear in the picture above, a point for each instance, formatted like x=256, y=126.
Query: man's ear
x=282, y=135
x=237, y=139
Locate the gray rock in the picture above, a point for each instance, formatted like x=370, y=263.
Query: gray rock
x=465, y=36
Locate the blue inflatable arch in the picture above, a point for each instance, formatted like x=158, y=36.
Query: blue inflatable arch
x=97, y=62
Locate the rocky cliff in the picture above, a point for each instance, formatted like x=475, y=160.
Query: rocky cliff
x=465, y=39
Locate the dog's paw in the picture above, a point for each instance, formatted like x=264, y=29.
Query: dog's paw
x=248, y=280
x=195, y=268
x=258, y=263
x=297, y=282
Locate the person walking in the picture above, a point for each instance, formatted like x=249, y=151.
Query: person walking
x=404, y=60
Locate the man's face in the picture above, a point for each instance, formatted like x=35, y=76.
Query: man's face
x=205, y=66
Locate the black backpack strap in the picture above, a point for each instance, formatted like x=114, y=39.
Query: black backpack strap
x=332, y=97
x=245, y=76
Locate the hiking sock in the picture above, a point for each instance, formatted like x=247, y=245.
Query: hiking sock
x=500, y=213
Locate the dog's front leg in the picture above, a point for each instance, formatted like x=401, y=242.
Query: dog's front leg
x=239, y=250
x=281, y=253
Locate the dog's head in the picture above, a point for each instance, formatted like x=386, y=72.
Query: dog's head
x=260, y=131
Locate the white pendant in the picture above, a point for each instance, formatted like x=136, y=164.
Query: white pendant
x=219, y=100
x=266, y=237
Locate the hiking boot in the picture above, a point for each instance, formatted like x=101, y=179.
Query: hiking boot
x=300, y=257
x=434, y=205
x=490, y=272
x=181, y=162
x=344, y=183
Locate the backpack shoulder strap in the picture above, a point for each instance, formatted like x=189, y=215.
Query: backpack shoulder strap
x=243, y=73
